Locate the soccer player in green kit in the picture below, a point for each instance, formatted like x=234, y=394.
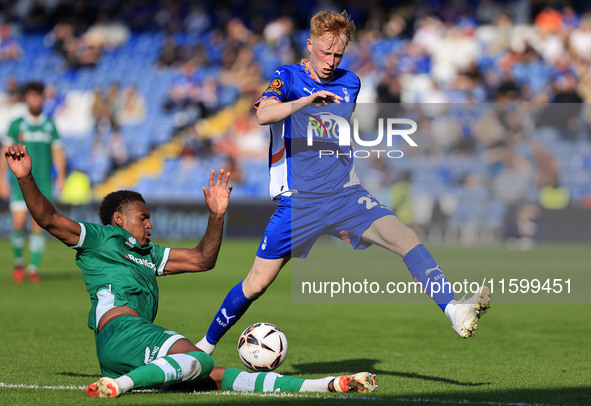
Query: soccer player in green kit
x=38, y=132
x=120, y=264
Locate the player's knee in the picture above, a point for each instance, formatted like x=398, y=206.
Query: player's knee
x=255, y=289
x=410, y=236
x=409, y=240
x=254, y=285
x=198, y=366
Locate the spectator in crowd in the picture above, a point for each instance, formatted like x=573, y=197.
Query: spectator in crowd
x=170, y=55
x=9, y=48
x=523, y=228
x=117, y=151
x=54, y=100
x=513, y=183
x=133, y=106
x=11, y=105
x=104, y=110
x=184, y=97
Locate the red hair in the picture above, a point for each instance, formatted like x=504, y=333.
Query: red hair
x=332, y=23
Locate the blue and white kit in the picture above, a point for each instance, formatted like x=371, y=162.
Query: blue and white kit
x=318, y=193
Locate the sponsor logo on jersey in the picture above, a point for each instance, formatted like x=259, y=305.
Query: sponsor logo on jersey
x=34, y=136
x=309, y=91
x=130, y=242
x=326, y=127
x=140, y=261
x=264, y=245
x=347, y=95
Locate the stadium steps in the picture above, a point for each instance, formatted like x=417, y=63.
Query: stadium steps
x=148, y=167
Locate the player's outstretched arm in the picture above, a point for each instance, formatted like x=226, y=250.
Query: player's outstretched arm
x=204, y=256
x=272, y=111
x=20, y=163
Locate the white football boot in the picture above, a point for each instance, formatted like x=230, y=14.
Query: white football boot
x=465, y=313
x=103, y=388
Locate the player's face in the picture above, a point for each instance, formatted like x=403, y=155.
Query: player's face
x=325, y=55
x=136, y=220
x=34, y=102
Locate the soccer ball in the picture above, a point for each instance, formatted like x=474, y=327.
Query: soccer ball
x=262, y=347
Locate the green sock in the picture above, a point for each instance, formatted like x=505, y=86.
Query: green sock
x=37, y=247
x=172, y=368
x=238, y=380
x=17, y=240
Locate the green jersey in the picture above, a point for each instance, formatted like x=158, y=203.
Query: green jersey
x=39, y=135
x=118, y=272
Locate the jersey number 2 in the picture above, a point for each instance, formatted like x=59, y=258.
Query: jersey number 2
x=369, y=203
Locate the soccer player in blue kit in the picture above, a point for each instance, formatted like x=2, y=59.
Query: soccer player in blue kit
x=323, y=196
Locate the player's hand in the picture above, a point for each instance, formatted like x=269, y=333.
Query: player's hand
x=218, y=193
x=323, y=97
x=19, y=161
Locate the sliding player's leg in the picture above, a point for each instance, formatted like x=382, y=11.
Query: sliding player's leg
x=232, y=379
x=238, y=380
x=135, y=354
x=390, y=233
x=261, y=275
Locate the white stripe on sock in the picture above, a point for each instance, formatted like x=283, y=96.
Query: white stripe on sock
x=316, y=385
x=169, y=370
x=190, y=366
x=245, y=381
x=269, y=382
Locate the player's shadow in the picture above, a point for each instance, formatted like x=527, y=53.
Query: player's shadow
x=79, y=375
x=357, y=365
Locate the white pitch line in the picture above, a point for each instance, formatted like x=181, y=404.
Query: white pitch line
x=301, y=395
x=22, y=386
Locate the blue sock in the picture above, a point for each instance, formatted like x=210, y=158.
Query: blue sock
x=232, y=308
x=425, y=270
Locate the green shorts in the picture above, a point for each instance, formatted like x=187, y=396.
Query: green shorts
x=127, y=342
x=17, y=200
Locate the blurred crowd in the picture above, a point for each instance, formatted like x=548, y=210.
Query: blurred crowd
x=220, y=52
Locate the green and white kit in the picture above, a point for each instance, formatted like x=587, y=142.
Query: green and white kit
x=119, y=272
x=39, y=135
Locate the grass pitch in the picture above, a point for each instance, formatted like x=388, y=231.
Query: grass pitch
x=522, y=354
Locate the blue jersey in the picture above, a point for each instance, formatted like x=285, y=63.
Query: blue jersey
x=295, y=161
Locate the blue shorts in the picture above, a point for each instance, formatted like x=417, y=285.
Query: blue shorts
x=301, y=219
